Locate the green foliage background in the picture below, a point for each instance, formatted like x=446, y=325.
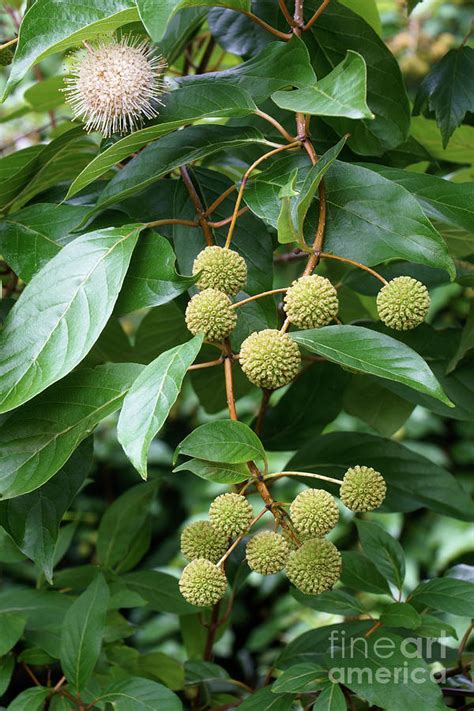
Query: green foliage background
x=90, y=612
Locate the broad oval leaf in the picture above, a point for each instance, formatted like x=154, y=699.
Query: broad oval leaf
x=82, y=631
x=384, y=550
x=36, y=440
x=225, y=440
x=447, y=594
x=400, y=614
x=370, y=352
x=138, y=694
x=155, y=14
x=217, y=472
x=62, y=311
x=150, y=399
x=342, y=92
x=160, y=591
x=301, y=679
x=54, y=25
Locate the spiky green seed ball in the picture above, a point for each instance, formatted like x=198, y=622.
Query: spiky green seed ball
x=222, y=269
x=202, y=583
x=6, y=56
x=314, y=512
x=201, y=540
x=231, y=514
x=362, y=489
x=210, y=312
x=314, y=567
x=267, y=553
x=311, y=302
x=270, y=359
x=403, y=303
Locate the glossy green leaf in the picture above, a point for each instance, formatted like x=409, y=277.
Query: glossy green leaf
x=53, y=26
x=217, y=472
x=447, y=594
x=32, y=699
x=383, y=550
x=34, y=519
x=330, y=699
x=336, y=602
x=400, y=614
x=183, y=106
x=338, y=30
x=413, y=481
x=375, y=353
x=16, y=170
x=11, y=629
x=150, y=399
x=359, y=573
x=82, y=633
x=342, y=92
x=368, y=10
x=7, y=664
x=138, y=694
x=385, y=411
x=227, y=440
x=160, y=590
x=448, y=90
x=460, y=148
x=62, y=311
x=155, y=14
x=266, y=700
x=46, y=95
x=34, y=235
x=301, y=679
x=121, y=525
x=39, y=438
x=313, y=645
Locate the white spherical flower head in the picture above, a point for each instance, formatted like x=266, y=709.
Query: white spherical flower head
x=115, y=85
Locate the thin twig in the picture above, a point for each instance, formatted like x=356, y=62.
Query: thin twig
x=276, y=124
x=218, y=200
x=239, y=538
x=172, y=221
x=258, y=296
x=326, y=255
x=266, y=26
x=197, y=206
x=229, y=383
x=285, y=12
x=318, y=12
x=308, y=475
x=262, y=410
x=8, y=44
x=222, y=223
x=208, y=364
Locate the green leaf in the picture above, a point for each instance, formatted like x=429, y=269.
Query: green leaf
x=137, y=694
x=161, y=329
x=52, y=26
x=82, y=633
x=34, y=519
x=7, y=664
x=382, y=656
x=198, y=672
x=359, y=573
x=466, y=343
x=301, y=679
x=160, y=590
x=172, y=151
x=39, y=438
x=155, y=14
x=227, y=440
x=11, y=629
x=217, y=472
x=461, y=145
x=388, y=220
x=384, y=411
x=62, y=311
x=375, y=353
x=400, y=614
x=293, y=211
x=448, y=90
x=431, y=626
x=447, y=594
x=312, y=646
x=383, y=550
x=150, y=399
x=16, y=170
x=336, y=602
x=30, y=700
x=342, y=92
x=183, y=106
x=121, y=525
x=330, y=699
x=368, y=10
x=34, y=235
x=337, y=30
x=266, y=700
x=46, y=95
x=413, y=481
x=278, y=65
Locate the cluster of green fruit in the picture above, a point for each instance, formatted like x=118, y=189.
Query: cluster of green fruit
x=311, y=562
x=270, y=358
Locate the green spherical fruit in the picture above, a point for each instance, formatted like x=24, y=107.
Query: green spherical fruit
x=314, y=567
x=221, y=269
x=6, y=56
x=362, y=489
x=267, y=553
x=231, y=514
x=269, y=358
x=202, y=583
x=403, y=303
x=201, y=540
x=314, y=512
x=210, y=313
x=311, y=302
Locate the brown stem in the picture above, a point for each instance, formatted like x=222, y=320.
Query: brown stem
x=464, y=642
x=308, y=475
x=211, y=634
x=208, y=364
x=172, y=221
x=326, y=255
x=246, y=176
x=218, y=200
x=197, y=206
x=202, y=66
x=9, y=43
x=276, y=124
x=285, y=12
x=266, y=26
x=59, y=684
x=258, y=296
x=239, y=538
x=298, y=20
x=31, y=674
x=318, y=12
x=226, y=221
x=263, y=408
x=229, y=383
